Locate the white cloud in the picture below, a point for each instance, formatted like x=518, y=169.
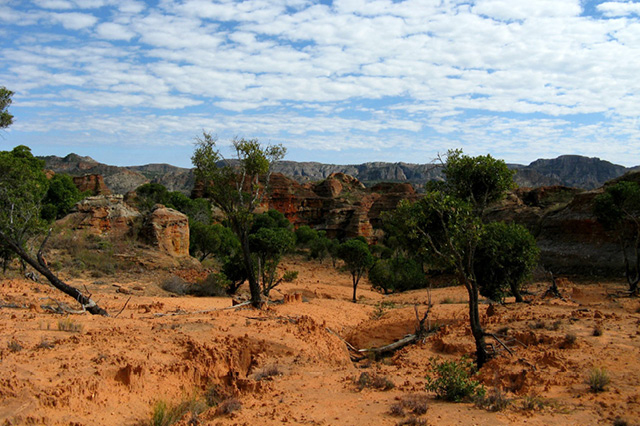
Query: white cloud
x=617, y=8
x=111, y=31
x=74, y=21
x=54, y=4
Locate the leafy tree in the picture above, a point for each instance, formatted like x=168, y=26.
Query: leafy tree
x=480, y=180
x=618, y=209
x=236, y=188
x=61, y=196
x=23, y=184
x=211, y=240
x=397, y=273
x=6, y=119
x=269, y=245
x=357, y=258
x=445, y=227
x=234, y=269
x=320, y=247
x=150, y=194
x=305, y=235
x=504, y=259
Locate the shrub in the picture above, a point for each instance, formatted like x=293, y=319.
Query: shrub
x=597, y=331
x=214, y=285
x=453, y=380
x=373, y=381
x=569, y=340
x=397, y=274
x=620, y=422
x=494, y=401
x=598, y=379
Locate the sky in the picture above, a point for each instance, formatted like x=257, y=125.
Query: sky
x=345, y=81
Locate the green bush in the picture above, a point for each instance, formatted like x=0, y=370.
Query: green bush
x=598, y=379
x=397, y=274
x=452, y=380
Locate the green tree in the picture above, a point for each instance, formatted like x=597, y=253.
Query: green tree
x=23, y=185
x=618, y=210
x=61, y=196
x=480, y=180
x=6, y=119
x=445, y=227
x=269, y=245
x=211, y=240
x=237, y=188
x=358, y=260
x=504, y=259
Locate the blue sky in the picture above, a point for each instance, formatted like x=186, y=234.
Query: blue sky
x=345, y=81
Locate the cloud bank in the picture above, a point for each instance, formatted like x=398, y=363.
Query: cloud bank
x=354, y=80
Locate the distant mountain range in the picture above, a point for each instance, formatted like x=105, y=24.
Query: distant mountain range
x=568, y=170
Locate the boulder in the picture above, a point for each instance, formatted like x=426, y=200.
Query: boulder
x=168, y=230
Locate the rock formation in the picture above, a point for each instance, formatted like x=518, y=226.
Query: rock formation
x=163, y=228
x=103, y=214
x=168, y=230
x=339, y=205
x=93, y=183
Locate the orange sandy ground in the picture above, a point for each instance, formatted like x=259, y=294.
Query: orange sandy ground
x=114, y=370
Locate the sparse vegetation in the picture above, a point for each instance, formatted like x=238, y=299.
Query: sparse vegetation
x=532, y=402
x=598, y=379
x=569, y=340
x=373, y=381
x=14, y=346
x=67, y=324
x=452, y=380
x=228, y=406
x=415, y=403
x=597, y=331
x=413, y=421
x=494, y=400
x=167, y=414
x=268, y=372
x=381, y=308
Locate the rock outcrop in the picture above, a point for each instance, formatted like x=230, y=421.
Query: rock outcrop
x=168, y=230
x=163, y=228
x=339, y=205
x=103, y=214
x=570, y=239
x=93, y=183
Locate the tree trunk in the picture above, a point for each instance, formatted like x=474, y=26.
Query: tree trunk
x=41, y=267
x=516, y=292
x=355, y=286
x=476, y=328
x=254, y=285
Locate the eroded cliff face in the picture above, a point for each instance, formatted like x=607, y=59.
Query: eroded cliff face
x=570, y=239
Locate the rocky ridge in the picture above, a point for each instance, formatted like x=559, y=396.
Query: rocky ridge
x=567, y=170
